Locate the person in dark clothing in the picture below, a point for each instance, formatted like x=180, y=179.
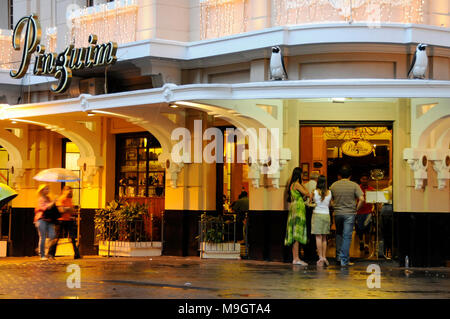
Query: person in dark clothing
x=240, y=207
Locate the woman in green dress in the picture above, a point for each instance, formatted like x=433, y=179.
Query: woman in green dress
x=296, y=231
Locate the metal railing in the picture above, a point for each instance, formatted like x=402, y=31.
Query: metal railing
x=222, y=233
x=148, y=229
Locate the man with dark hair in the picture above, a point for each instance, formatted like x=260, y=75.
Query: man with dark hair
x=345, y=194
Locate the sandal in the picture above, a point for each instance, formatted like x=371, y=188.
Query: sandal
x=300, y=262
x=320, y=262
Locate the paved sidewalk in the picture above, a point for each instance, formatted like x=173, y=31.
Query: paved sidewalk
x=191, y=277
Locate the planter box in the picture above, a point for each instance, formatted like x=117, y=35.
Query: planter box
x=130, y=249
x=3, y=248
x=220, y=250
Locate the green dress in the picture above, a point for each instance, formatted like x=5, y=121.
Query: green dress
x=296, y=223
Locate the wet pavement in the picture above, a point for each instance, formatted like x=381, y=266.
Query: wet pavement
x=192, y=278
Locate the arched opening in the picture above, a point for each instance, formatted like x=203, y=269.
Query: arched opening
x=140, y=176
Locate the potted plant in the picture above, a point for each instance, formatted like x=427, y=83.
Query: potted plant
x=122, y=229
x=218, y=237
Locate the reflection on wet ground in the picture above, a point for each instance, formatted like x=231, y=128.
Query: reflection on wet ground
x=191, y=277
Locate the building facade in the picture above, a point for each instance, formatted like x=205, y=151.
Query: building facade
x=204, y=66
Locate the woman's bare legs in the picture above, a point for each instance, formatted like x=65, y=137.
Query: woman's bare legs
x=319, y=249
x=295, y=252
x=296, y=259
x=324, y=249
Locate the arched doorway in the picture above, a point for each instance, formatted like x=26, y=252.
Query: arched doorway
x=140, y=177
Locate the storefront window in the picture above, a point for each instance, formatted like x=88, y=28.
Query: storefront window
x=139, y=174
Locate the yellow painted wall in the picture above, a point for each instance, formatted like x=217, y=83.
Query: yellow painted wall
x=44, y=152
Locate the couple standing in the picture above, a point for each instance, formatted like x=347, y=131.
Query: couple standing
x=342, y=195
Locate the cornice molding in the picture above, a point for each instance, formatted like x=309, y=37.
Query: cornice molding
x=350, y=88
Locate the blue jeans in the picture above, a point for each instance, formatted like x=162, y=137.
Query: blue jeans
x=45, y=229
x=344, y=231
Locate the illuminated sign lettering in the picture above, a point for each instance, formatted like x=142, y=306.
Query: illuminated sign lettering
x=58, y=65
x=357, y=148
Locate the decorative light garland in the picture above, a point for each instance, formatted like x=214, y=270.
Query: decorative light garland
x=220, y=18
x=299, y=11
x=114, y=21
x=8, y=57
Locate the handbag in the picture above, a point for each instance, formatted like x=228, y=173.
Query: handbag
x=52, y=214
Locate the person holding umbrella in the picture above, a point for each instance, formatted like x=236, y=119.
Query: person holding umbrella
x=42, y=219
x=66, y=223
x=46, y=213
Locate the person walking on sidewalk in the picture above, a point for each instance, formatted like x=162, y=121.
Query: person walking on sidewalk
x=66, y=223
x=345, y=194
x=44, y=224
x=296, y=231
x=320, y=221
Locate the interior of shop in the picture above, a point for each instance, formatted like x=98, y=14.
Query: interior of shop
x=367, y=148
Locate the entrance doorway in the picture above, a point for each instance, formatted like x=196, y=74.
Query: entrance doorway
x=231, y=181
x=367, y=148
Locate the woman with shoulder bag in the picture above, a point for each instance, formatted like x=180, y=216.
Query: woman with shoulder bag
x=43, y=220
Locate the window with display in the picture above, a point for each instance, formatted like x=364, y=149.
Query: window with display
x=139, y=174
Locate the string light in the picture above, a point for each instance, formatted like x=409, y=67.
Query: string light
x=290, y=12
x=220, y=18
x=114, y=21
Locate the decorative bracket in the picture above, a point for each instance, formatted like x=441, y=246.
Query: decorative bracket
x=285, y=156
x=173, y=170
x=89, y=173
x=168, y=91
x=17, y=175
x=418, y=161
x=266, y=166
x=441, y=164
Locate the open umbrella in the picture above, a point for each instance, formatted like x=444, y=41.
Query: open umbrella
x=56, y=175
x=7, y=194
